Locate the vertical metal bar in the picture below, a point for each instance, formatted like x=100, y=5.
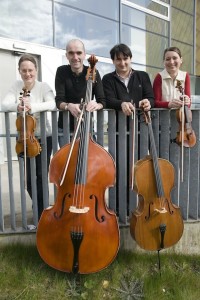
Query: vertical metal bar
x=66, y=126
x=22, y=191
x=112, y=150
x=1, y=207
x=34, y=190
x=132, y=194
x=123, y=184
x=10, y=172
x=100, y=127
x=44, y=159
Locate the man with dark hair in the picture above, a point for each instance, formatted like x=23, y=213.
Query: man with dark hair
x=125, y=86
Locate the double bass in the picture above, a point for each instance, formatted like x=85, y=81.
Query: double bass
x=79, y=233
x=157, y=222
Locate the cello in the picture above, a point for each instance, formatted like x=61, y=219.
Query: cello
x=157, y=222
x=79, y=233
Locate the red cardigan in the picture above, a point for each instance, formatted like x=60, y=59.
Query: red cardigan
x=157, y=89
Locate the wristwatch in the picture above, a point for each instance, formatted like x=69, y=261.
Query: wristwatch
x=66, y=106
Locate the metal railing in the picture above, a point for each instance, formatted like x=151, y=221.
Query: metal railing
x=114, y=132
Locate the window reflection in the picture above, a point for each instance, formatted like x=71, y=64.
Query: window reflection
x=105, y=8
x=151, y=5
x=104, y=68
x=27, y=21
x=182, y=26
x=147, y=48
x=187, y=54
x=185, y=5
x=139, y=19
x=96, y=33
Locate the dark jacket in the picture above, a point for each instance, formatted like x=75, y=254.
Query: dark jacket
x=71, y=88
x=139, y=87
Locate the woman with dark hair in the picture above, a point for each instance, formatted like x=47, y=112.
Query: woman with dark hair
x=166, y=91
x=41, y=99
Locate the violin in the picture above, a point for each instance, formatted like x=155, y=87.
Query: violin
x=186, y=135
x=26, y=144
x=157, y=222
x=79, y=233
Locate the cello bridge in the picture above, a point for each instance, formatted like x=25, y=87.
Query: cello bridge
x=76, y=210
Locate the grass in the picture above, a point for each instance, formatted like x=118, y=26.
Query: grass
x=23, y=275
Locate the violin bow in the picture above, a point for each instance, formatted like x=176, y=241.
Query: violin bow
x=22, y=94
x=133, y=118
x=181, y=89
x=72, y=146
x=182, y=142
x=91, y=72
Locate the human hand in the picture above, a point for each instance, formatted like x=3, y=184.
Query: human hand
x=187, y=100
x=145, y=104
x=127, y=108
x=93, y=105
x=175, y=103
x=74, y=109
x=24, y=105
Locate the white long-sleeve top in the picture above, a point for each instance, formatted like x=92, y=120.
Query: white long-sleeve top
x=41, y=99
x=169, y=90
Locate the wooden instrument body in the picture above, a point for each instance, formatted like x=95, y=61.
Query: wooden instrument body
x=153, y=211
x=186, y=134
x=26, y=144
x=31, y=143
x=84, y=242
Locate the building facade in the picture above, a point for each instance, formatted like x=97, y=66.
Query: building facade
x=43, y=27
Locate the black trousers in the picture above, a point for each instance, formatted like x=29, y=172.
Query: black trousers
x=39, y=182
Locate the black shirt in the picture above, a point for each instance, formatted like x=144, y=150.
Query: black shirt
x=139, y=87
x=71, y=88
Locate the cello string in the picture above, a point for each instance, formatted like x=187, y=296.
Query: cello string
x=160, y=192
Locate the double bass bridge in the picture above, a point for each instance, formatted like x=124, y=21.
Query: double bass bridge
x=77, y=210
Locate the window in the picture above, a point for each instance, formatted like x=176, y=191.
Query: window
x=105, y=8
x=98, y=34
x=28, y=21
